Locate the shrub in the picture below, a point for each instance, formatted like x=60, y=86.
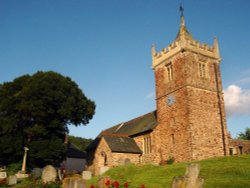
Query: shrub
x=170, y=160
x=14, y=168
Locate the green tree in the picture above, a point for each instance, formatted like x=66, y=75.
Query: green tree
x=35, y=111
x=79, y=142
x=244, y=135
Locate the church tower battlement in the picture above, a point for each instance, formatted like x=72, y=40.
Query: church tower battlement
x=185, y=42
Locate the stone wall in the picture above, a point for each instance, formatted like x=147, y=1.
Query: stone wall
x=148, y=157
x=103, y=156
x=194, y=126
x=205, y=124
x=172, y=134
x=238, y=147
x=124, y=159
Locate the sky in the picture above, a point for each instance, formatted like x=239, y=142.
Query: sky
x=105, y=47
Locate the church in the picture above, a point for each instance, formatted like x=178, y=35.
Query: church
x=189, y=122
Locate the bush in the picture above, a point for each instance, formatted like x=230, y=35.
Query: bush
x=14, y=168
x=170, y=160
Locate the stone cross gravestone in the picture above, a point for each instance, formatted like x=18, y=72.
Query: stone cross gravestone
x=191, y=178
x=24, y=159
x=49, y=174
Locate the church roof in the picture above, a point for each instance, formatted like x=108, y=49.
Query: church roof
x=122, y=144
x=74, y=152
x=137, y=126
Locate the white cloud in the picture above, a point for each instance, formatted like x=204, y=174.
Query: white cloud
x=151, y=95
x=237, y=100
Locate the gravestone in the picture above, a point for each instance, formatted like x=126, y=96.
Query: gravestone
x=191, y=178
x=3, y=175
x=73, y=182
x=86, y=175
x=37, y=172
x=12, y=180
x=49, y=174
x=104, y=169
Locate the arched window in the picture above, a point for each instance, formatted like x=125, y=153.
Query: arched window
x=202, y=70
x=104, y=155
x=147, y=144
x=169, y=68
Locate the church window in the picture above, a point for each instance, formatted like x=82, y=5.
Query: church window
x=231, y=151
x=240, y=148
x=202, y=70
x=104, y=155
x=147, y=144
x=169, y=68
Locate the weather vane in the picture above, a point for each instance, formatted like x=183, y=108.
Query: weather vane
x=181, y=9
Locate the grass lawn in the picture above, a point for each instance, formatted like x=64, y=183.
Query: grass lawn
x=233, y=172
x=32, y=183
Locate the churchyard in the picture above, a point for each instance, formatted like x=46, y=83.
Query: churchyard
x=229, y=172
x=233, y=172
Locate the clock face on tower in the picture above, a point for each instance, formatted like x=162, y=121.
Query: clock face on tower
x=170, y=100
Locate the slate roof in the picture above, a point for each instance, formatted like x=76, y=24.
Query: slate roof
x=122, y=144
x=135, y=126
x=74, y=152
x=127, y=129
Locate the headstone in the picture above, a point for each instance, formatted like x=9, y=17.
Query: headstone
x=179, y=182
x=3, y=175
x=192, y=175
x=86, y=175
x=73, y=182
x=12, y=180
x=104, y=169
x=49, y=174
x=191, y=178
x=37, y=172
x=61, y=173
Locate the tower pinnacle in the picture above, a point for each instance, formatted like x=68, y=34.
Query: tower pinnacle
x=182, y=15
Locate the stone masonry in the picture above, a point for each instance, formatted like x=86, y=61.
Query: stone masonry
x=194, y=126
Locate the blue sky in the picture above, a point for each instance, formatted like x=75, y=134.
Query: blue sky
x=105, y=47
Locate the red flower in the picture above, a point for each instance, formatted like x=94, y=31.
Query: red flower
x=142, y=186
x=92, y=186
x=126, y=184
x=107, y=183
x=115, y=184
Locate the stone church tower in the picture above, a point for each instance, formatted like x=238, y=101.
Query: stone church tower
x=189, y=122
x=189, y=100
